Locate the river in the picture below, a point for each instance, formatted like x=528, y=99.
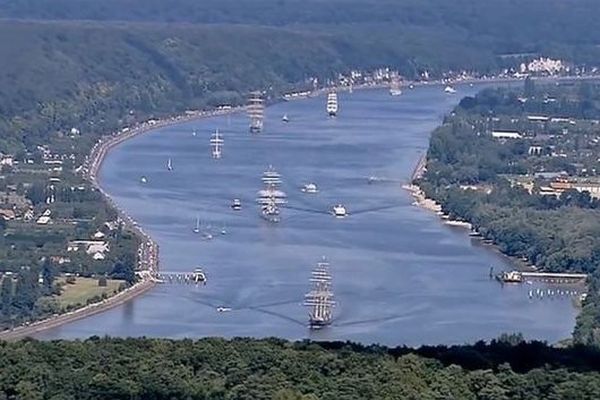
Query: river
x=401, y=276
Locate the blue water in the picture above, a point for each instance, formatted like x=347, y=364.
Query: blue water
x=400, y=275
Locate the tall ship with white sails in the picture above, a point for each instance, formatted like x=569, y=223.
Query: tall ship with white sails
x=332, y=104
x=256, y=112
x=271, y=196
x=320, y=298
x=216, y=144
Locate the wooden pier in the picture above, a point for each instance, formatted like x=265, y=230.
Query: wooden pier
x=548, y=277
x=181, y=278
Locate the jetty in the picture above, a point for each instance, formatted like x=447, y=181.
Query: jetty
x=548, y=277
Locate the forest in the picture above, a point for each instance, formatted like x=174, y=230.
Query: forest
x=99, y=65
x=212, y=368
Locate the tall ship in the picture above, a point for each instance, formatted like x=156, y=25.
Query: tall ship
x=271, y=196
x=332, y=104
x=256, y=112
x=395, y=89
x=216, y=144
x=320, y=298
x=271, y=192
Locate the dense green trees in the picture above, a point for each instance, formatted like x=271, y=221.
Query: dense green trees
x=98, y=76
x=278, y=370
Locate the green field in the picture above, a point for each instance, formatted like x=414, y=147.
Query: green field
x=84, y=289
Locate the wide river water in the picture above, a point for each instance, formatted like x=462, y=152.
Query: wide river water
x=401, y=276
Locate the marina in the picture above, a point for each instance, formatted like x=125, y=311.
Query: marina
x=401, y=275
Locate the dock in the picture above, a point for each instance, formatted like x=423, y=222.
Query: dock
x=548, y=277
x=180, y=278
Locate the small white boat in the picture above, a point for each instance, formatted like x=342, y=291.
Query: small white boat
x=310, y=188
x=169, y=165
x=395, y=89
x=285, y=118
x=223, y=231
x=223, y=309
x=197, y=228
x=194, y=133
x=143, y=179
x=449, y=90
x=236, y=204
x=339, y=211
x=411, y=86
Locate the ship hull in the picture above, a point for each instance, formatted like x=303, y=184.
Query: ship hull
x=270, y=218
x=318, y=324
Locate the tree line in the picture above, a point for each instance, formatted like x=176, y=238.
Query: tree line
x=280, y=370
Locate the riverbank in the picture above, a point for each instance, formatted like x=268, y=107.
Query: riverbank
x=89, y=310
x=148, y=262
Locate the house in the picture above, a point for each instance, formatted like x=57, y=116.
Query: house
x=28, y=216
x=7, y=160
x=98, y=256
x=506, y=135
x=537, y=118
x=535, y=150
x=60, y=260
x=7, y=214
x=98, y=235
x=43, y=220
x=99, y=247
x=90, y=246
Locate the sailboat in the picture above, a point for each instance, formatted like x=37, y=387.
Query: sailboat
x=320, y=298
x=285, y=118
x=169, y=164
x=332, y=104
x=197, y=228
x=216, y=143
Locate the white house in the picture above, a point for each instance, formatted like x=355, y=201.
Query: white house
x=506, y=135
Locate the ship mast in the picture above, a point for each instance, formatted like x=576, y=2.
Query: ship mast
x=216, y=143
x=320, y=298
x=255, y=109
x=270, y=197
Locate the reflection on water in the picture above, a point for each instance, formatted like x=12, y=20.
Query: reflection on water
x=400, y=275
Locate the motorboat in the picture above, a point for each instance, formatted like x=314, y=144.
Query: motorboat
x=236, y=204
x=310, y=188
x=143, y=179
x=223, y=309
x=339, y=211
x=449, y=90
x=285, y=118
